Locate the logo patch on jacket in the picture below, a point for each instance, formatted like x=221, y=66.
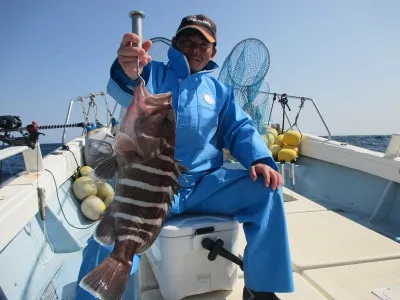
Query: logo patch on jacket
x=209, y=99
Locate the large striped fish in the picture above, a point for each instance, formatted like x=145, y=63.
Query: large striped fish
x=147, y=179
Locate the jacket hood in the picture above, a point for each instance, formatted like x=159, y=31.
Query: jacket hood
x=179, y=64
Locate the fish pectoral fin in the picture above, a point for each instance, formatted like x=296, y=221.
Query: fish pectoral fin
x=124, y=146
x=182, y=169
x=106, y=169
x=105, y=230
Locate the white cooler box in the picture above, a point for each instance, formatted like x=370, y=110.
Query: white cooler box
x=180, y=263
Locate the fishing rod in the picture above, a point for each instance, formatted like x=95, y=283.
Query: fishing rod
x=9, y=124
x=34, y=124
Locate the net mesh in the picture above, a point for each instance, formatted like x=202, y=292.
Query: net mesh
x=159, y=49
x=245, y=69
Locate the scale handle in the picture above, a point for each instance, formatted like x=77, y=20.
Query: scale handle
x=137, y=17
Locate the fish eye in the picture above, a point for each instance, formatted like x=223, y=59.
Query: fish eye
x=167, y=119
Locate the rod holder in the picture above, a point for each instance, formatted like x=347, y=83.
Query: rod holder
x=283, y=171
x=293, y=166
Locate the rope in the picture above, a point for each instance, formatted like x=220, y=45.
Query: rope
x=62, y=211
x=272, y=108
x=297, y=116
x=107, y=107
x=41, y=192
x=92, y=104
x=284, y=102
x=65, y=147
x=298, y=113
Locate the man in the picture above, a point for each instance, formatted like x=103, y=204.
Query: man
x=208, y=120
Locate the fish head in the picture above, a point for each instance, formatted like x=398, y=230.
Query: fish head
x=150, y=122
x=156, y=130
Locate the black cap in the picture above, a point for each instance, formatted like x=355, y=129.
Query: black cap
x=201, y=23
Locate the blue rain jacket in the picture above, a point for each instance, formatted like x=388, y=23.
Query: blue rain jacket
x=208, y=120
x=208, y=117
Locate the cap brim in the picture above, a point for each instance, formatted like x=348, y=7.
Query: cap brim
x=199, y=28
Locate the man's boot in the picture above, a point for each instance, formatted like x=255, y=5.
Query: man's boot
x=252, y=295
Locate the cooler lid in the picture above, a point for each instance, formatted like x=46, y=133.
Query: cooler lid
x=189, y=225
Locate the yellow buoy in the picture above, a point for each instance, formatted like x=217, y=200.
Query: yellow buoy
x=272, y=131
x=92, y=207
x=287, y=155
x=295, y=148
x=85, y=170
x=108, y=199
x=84, y=187
x=292, y=138
x=105, y=192
x=279, y=140
x=269, y=139
x=274, y=150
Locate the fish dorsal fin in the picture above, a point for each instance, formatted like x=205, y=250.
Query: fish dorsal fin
x=124, y=146
x=106, y=169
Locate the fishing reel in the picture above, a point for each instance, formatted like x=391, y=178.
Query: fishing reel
x=10, y=123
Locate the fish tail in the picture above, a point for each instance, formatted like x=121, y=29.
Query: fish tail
x=108, y=280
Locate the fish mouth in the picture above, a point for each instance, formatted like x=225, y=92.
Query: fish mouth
x=149, y=102
x=147, y=146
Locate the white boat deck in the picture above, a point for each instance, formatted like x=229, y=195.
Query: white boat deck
x=332, y=257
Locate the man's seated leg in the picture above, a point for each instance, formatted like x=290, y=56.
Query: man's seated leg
x=267, y=263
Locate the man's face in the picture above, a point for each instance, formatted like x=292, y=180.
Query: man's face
x=196, y=48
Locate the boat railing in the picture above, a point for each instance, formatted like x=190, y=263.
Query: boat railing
x=32, y=154
x=91, y=105
x=393, y=149
x=284, y=98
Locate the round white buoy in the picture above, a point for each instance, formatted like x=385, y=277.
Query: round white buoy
x=105, y=192
x=85, y=170
x=275, y=150
x=92, y=207
x=84, y=187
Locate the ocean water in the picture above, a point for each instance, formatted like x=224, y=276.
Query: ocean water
x=13, y=165
x=377, y=143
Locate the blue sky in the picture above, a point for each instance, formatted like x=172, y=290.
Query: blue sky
x=343, y=54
